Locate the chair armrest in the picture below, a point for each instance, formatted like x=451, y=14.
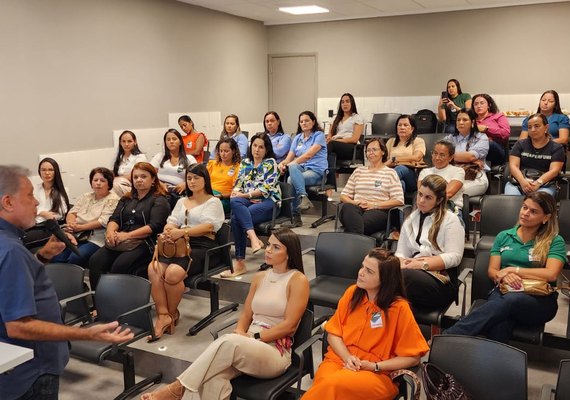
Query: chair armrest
x=299, y=352
x=205, y=271
x=462, y=281
x=308, y=250
x=215, y=331
x=547, y=392
x=134, y=311
x=63, y=302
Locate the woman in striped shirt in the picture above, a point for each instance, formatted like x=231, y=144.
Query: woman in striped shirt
x=370, y=192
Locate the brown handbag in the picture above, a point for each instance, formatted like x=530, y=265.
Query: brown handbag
x=534, y=287
x=471, y=170
x=179, y=248
x=439, y=385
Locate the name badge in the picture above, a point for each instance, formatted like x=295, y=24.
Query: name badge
x=231, y=172
x=531, y=257
x=377, y=183
x=189, y=145
x=376, y=320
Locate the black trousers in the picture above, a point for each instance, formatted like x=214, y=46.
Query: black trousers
x=365, y=222
x=118, y=262
x=342, y=150
x=425, y=291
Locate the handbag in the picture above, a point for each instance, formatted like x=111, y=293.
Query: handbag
x=533, y=175
x=534, y=287
x=83, y=237
x=400, y=372
x=471, y=170
x=125, y=245
x=439, y=385
x=179, y=248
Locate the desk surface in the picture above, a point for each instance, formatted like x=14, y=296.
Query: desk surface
x=12, y=356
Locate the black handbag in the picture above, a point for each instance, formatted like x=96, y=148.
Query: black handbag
x=439, y=385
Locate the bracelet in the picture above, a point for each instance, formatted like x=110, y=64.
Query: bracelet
x=42, y=259
x=517, y=269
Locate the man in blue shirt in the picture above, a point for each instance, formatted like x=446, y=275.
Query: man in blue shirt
x=29, y=309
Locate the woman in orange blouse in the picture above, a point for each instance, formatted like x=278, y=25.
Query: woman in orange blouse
x=371, y=333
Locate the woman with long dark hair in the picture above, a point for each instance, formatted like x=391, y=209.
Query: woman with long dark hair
x=279, y=139
x=194, y=142
x=346, y=129
x=558, y=123
x=128, y=155
x=232, y=130
x=450, y=103
x=494, y=124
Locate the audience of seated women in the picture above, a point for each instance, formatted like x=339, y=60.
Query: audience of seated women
x=306, y=162
x=442, y=156
x=346, y=129
x=450, y=104
x=533, y=249
x=471, y=149
x=53, y=202
x=127, y=156
x=131, y=231
x=232, y=130
x=494, y=124
x=372, y=333
x=196, y=218
x=279, y=139
x=406, y=152
x=431, y=247
x=252, y=199
x=88, y=218
x=558, y=123
x=370, y=192
x=223, y=170
x=194, y=142
x=536, y=161
x=171, y=164
x=260, y=345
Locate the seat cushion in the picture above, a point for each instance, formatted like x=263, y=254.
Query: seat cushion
x=428, y=317
x=251, y=388
x=485, y=243
x=327, y=290
x=96, y=352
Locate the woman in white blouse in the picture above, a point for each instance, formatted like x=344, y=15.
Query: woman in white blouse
x=196, y=217
x=346, y=129
x=127, y=156
x=431, y=247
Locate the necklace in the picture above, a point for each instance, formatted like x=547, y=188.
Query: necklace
x=274, y=277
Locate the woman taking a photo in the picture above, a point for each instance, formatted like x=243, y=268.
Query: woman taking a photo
x=252, y=199
x=431, y=247
x=196, y=218
x=128, y=155
x=232, y=130
x=279, y=139
x=224, y=170
x=406, y=152
x=558, y=123
x=132, y=229
x=194, y=142
x=450, y=104
x=260, y=345
x=533, y=249
x=370, y=192
x=346, y=129
x=371, y=333
x=536, y=161
x=494, y=124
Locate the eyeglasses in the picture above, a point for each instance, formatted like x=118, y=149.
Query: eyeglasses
x=439, y=155
x=373, y=150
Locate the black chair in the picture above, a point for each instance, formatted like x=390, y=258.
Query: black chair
x=218, y=259
x=488, y=370
x=430, y=140
x=358, y=157
x=384, y=124
x=68, y=282
x=250, y=388
x=498, y=213
x=123, y=298
x=338, y=258
x=320, y=191
x=562, y=389
x=280, y=214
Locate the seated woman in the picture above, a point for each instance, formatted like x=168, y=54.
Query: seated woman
x=88, y=218
x=533, y=249
x=252, y=199
x=558, y=123
x=306, y=162
x=536, y=161
x=232, y=130
x=53, y=202
x=471, y=149
x=451, y=101
x=132, y=229
x=442, y=155
x=127, y=156
x=196, y=217
x=431, y=247
x=279, y=139
x=260, y=345
x=494, y=124
x=371, y=333
x=370, y=192
x=171, y=164
x=346, y=129
x=194, y=142
x=406, y=152
x=223, y=170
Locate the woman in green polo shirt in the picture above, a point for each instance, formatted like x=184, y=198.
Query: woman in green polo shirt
x=533, y=249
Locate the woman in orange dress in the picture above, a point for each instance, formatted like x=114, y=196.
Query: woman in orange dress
x=372, y=333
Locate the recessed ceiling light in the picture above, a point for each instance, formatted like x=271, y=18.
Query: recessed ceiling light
x=303, y=10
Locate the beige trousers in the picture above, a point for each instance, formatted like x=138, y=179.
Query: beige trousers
x=227, y=357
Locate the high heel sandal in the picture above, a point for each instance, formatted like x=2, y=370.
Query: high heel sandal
x=171, y=393
x=168, y=328
x=176, y=317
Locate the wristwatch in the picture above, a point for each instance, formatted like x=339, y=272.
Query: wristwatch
x=540, y=182
x=425, y=266
x=377, y=367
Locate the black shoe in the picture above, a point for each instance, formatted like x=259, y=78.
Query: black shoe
x=295, y=223
x=264, y=266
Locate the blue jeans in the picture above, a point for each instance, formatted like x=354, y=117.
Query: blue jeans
x=86, y=249
x=408, y=178
x=46, y=387
x=513, y=190
x=245, y=215
x=499, y=315
x=300, y=177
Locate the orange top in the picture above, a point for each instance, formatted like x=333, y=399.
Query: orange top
x=223, y=177
x=190, y=144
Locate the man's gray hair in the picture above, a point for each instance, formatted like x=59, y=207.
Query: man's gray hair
x=10, y=178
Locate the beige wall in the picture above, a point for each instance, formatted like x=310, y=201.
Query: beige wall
x=72, y=71
x=502, y=51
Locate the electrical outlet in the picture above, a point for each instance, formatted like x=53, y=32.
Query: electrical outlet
x=331, y=113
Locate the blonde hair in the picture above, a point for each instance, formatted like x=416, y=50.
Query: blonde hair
x=547, y=231
x=438, y=186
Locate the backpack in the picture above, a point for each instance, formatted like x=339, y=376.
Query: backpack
x=426, y=121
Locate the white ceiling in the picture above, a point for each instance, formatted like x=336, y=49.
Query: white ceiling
x=267, y=10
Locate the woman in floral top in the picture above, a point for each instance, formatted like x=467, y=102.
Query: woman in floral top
x=252, y=199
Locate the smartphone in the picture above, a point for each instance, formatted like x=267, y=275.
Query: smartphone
x=444, y=95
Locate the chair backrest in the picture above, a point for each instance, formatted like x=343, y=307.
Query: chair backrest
x=487, y=369
x=384, y=123
x=119, y=293
x=303, y=333
x=564, y=220
x=563, y=383
x=426, y=121
x=499, y=213
x=286, y=210
x=340, y=253
x=68, y=281
x=481, y=285
x=223, y=236
x=430, y=140
x=331, y=172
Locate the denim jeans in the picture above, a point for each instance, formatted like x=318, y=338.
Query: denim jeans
x=46, y=387
x=408, y=178
x=513, y=190
x=300, y=177
x=245, y=215
x=86, y=250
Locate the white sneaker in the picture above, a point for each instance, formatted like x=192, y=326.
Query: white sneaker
x=305, y=203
